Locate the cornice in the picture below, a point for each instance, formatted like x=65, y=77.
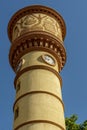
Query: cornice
x=41, y=41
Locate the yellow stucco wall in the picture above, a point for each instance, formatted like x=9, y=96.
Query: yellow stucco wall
x=35, y=58
x=39, y=79
x=37, y=126
x=39, y=106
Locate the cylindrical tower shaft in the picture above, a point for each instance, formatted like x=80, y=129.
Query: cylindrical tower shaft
x=37, y=55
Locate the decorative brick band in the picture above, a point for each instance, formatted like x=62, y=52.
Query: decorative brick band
x=37, y=67
x=36, y=9
x=38, y=92
x=39, y=121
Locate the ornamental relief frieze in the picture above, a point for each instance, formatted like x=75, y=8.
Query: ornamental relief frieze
x=37, y=22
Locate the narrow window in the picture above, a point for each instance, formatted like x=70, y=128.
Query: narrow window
x=18, y=87
x=16, y=114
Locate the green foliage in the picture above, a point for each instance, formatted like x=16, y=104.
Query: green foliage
x=72, y=125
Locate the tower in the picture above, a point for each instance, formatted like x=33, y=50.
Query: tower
x=37, y=55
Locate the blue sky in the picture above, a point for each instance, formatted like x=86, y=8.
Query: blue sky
x=74, y=74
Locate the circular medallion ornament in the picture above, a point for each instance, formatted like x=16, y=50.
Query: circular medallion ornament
x=48, y=59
